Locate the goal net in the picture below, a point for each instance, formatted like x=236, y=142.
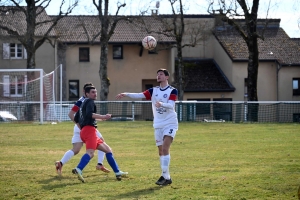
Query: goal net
x=26, y=94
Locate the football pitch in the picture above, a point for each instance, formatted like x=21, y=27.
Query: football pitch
x=221, y=161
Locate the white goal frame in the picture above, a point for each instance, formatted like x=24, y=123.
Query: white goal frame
x=41, y=86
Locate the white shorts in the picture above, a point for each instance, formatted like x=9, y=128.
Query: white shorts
x=76, y=136
x=159, y=134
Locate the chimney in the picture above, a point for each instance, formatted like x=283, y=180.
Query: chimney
x=154, y=11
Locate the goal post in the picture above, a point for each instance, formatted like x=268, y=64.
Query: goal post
x=27, y=94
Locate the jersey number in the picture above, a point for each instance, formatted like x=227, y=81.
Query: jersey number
x=171, y=130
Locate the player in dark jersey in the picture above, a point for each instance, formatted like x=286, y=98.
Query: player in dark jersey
x=77, y=142
x=86, y=117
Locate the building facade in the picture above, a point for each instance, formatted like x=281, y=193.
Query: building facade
x=215, y=69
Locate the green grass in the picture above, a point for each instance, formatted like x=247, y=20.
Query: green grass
x=208, y=161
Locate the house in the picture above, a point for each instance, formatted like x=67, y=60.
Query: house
x=14, y=54
x=279, y=67
x=215, y=70
x=130, y=66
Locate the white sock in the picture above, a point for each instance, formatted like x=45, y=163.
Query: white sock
x=165, y=163
x=101, y=155
x=161, y=164
x=68, y=155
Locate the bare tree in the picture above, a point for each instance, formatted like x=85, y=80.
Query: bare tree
x=249, y=34
x=187, y=33
x=38, y=28
x=108, y=25
x=34, y=15
x=248, y=31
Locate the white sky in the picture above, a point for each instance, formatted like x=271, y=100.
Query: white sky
x=286, y=10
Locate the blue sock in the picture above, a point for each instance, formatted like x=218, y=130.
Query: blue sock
x=112, y=162
x=85, y=159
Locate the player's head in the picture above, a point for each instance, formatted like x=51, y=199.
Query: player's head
x=162, y=75
x=164, y=71
x=87, y=84
x=90, y=92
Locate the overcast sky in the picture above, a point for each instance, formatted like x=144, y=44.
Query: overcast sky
x=286, y=10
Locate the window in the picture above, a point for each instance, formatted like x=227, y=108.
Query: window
x=73, y=89
x=14, y=86
x=117, y=52
x=296, y=86
x=84, y=54
x=246, y=88
x=14, y=51
x=148, y=86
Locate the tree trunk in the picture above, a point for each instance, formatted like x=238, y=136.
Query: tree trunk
x=103, y=73
x=29, y=36
x=252, y=72
x=180, y=73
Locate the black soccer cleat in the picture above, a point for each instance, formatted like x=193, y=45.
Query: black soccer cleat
x=163, y=182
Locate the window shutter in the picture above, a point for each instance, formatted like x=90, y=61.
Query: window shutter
x=25, y=53
x=5, y=50
x=6, y=86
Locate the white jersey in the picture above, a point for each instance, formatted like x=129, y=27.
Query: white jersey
x=164, y=115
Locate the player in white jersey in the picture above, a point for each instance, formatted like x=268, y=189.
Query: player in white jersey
x=77, y=142
x=165, y=122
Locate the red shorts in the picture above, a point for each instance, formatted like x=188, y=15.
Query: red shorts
x=89, y=137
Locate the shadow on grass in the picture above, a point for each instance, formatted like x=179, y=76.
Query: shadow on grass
x=54, y=181
x=135, y=194
x=46, y=183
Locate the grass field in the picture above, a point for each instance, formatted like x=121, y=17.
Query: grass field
x=208, y=161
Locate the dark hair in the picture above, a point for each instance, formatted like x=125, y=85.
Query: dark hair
x=164, y=71
x=88, y=89
x=87, y=84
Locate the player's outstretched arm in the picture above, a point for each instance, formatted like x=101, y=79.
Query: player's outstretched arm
x=103, y=117
x=131, y=95
x=121, y=95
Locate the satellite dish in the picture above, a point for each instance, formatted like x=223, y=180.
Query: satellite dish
x=157, y=4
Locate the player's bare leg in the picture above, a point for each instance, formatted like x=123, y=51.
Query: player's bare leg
x=67, y=156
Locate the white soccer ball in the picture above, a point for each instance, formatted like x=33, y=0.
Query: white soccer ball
x=149, y=42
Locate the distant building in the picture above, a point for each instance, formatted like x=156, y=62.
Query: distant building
x=215, y=70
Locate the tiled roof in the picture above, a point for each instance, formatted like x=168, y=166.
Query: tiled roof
x=205, y=76
x=17, y=22
x=296, y=40
x=276, y=45
x=74, y=29
x=77, y=28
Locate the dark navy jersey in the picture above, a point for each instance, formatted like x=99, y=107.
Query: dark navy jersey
x=86, y=111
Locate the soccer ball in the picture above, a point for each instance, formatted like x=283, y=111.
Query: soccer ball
x=149, y=42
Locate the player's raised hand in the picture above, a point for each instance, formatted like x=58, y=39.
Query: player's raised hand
x=121, y=95
x=158, y=104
